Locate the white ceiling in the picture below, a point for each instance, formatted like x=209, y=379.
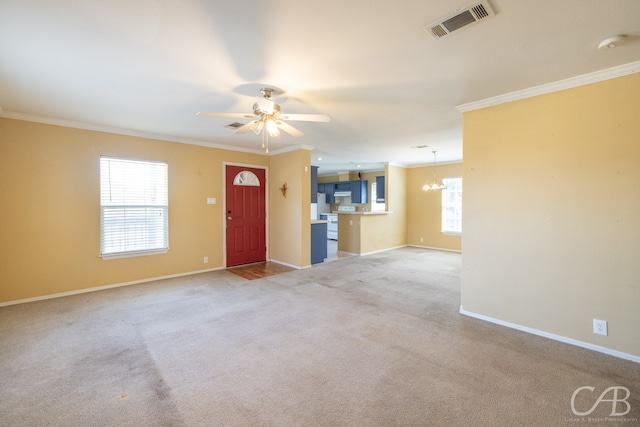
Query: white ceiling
x=147, y=66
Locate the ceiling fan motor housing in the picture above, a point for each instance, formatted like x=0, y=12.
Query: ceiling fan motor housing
x=265, y=106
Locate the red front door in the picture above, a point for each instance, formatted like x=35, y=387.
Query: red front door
x=246, y=215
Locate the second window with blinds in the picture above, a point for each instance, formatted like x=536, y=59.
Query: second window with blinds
x=452, y=206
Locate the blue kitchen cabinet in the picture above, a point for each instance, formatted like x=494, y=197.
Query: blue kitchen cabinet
x=329, y=189
x=318, y=242
x=379, y=189
x=343, y=186
x=314, y=184
x=359, y=191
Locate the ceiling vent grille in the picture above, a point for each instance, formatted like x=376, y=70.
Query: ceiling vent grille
x=460, y=19
x=234, y=125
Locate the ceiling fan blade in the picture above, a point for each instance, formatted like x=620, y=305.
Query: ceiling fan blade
x=306, y=117
x=289, y=129
x=245, y=128
x=231, y=115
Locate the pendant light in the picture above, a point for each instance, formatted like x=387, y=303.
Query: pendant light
x=433, y=184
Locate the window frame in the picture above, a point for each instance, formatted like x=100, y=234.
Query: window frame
x=375, y=206
x=150, y=168
x=446, y=204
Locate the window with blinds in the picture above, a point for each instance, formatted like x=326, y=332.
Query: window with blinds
x=375, y=206
x=452, y=206
x=134, y=207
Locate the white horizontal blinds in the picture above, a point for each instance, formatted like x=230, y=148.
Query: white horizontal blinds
x=452, y=205
x=134, y=205
x=375, y=206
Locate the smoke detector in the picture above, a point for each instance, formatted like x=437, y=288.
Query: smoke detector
x=460, y=19
x=611, y=42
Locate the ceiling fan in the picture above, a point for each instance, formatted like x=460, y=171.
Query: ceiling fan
x=267, y=116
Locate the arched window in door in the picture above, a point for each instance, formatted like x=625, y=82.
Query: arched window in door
x=246, y=178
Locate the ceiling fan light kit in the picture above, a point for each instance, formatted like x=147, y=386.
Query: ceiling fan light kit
x=268, y=120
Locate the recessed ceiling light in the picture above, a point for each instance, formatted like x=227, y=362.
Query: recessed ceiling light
x=319, y=158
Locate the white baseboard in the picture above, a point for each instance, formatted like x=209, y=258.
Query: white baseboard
x=101, y=288
x=436, y=249
x=297, y=267
x=554, y=337
x=382, y=250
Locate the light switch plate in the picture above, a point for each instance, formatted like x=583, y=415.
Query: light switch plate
x=211, y=200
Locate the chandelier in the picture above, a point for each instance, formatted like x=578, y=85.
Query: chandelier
x=433, y=184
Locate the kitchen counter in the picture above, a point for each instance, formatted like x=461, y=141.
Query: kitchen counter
x=364, y=213
x=319, y=221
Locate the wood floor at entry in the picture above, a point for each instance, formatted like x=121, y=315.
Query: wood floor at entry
x=259, y=270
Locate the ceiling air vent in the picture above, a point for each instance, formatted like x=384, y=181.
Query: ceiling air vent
x=460, y=19
x=234, y=125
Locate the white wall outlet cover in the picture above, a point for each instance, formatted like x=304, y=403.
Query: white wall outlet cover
x=600, y=327
x=211, y=200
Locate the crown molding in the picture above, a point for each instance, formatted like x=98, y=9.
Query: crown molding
x=572, y=82
x=431, y=165
x=120, y=131
x=396, y=164
x=291, y=148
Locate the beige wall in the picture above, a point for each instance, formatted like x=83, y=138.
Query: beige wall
x=393, y=232
x=349, y=233
x=363, y=234
x=290, y=217
x=551, y=212
x=424, y=208
x=50, y=208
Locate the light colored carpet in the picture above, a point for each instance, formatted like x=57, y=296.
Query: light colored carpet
x=363, y=341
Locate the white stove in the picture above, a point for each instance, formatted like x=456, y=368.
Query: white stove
x=332, y=225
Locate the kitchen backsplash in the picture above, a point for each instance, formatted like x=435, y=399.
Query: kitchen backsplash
x=346, y=201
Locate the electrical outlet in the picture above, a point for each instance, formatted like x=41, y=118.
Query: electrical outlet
x=206, y=260
x=600, y=327
x=422, y=240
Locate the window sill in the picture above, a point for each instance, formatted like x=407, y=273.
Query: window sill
x=452, y=233
x=131, y=254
